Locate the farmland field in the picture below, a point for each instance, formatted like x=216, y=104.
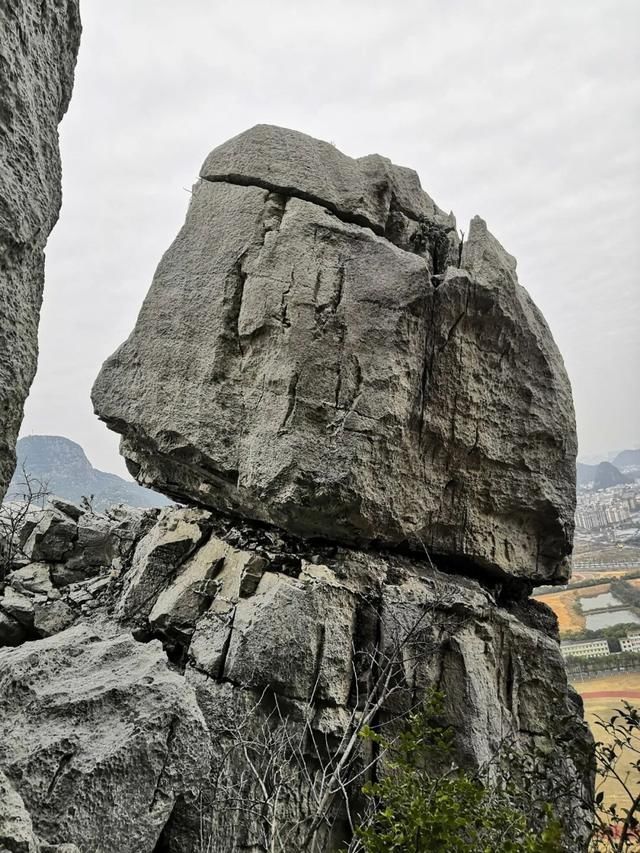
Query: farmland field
x=583, y=575
x=566, y=607
x=601, y=697
x=587, y=551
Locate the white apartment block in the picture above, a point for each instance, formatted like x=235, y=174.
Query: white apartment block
x=585, y=648
x=591, y=518
x=630, y=643
x=616, y=514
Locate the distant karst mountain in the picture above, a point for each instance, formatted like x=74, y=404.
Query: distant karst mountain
x=602, y=476
x=63, y=465
x=627, y=459
x=585, y=474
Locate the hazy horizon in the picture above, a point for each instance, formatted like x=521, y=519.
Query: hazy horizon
x=528, y=119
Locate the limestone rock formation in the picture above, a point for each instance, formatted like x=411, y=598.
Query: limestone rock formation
x=280, y=640
x=61, y=563
x=16, y=826
x=373, y=433
x=16, y=829
x=317, y=351
x=38, y=47
x=100, y=739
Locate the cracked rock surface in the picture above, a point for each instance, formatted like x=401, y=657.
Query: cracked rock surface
x=317, y=351
x=373, y=434
x=99, y=737
x=38, y=47
x=267, y=636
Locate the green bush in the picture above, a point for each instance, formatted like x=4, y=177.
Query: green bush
x=425, y=802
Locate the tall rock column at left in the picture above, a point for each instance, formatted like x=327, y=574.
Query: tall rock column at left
x=39, y=42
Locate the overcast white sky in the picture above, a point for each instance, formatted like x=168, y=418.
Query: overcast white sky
x=524, y=111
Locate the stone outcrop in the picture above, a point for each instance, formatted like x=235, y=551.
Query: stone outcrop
x=261, y=628
x=38, y=48
x=373, y=432
x=100, y=739
x=62, y=561
x=16, y=826
x=317, y=351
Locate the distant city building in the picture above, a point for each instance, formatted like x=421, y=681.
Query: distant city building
x=585, y=649
x=630, y=643
x=591, y=518
x=616, y=514
x=610, y=514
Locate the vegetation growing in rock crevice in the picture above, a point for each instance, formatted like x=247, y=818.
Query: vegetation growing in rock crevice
x=425, y=802
x=419, y=806
x=13, y=516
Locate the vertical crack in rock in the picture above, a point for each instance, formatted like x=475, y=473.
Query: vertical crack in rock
x=64, y=762
x=292, y=398
x=321, y=630
x=284, y=303
x=510, y=680
x=168, y=754
x=429, y=354
x=238, y=280
x=336, y=297
x=346, y=614
x=224, y=652
x=316, y=284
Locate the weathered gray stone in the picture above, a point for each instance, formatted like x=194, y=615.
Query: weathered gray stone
x=314, y=626
x=67, y=507
x=36, y=578
x=99, y=738
x=158, y=557
x=130, y=525
x=208, y=647
x=293, y=164
x=38, y=46
x=18, y=606
x=59, y=848
x=16, y=828
x=52, y=539
x=12, y=633
x=265, y=649
x=52, y=617
x=62, y=577
x=342, y=384
x=96, y=585
x=179, y=606
x=307, y=651
x=95, y=544
x=78, y=593
x=239, y=572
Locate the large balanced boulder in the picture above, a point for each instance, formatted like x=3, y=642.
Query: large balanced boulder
x=318, y=352
x=99, y=738
x=38, y=47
